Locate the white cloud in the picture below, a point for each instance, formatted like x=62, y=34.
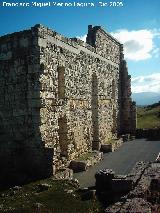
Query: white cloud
x=149, y=83
x=138, y=45
x=83, y=37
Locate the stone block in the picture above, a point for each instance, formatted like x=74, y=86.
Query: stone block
x=106, y=148
x=104, y=179
x=155, y=184
x=121, y=185
x=78, y=166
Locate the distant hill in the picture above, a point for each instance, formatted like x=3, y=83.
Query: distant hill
x=146, y=98
x=149, y=116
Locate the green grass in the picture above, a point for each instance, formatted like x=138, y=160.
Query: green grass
x=112, y=141
x=148, y=117
x=85, y=156
x=55, y=199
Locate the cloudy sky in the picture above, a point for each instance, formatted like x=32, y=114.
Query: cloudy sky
x=142, y=51
x=136, y=24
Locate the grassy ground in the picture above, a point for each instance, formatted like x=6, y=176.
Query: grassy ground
x=112, y=141
x=86, y=156
x=148, y=117
x=61, y=197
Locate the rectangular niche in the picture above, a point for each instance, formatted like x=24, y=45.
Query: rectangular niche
x=61, y=82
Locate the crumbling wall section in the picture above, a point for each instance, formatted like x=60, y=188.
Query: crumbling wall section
x=127, y=106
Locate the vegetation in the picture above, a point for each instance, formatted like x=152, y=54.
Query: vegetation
x=148, y=116
x=46, y=196
x=112, y=141
x=86, y=156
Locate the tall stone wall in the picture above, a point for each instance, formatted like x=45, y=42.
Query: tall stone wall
x=61, y=97
x=105, y=45
x=79, y=92
x=21, y=147
x=110, y=49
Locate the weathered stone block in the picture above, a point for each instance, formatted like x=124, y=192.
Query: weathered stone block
x=121, y=185
x=78, y=166
x=106, y=148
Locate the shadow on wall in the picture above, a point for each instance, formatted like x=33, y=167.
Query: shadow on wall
x=23, y=155
x=94, y=103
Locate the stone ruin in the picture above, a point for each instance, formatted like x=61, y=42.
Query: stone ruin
x=138, y=192
x=59, y=98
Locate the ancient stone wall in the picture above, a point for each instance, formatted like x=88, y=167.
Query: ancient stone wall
x=127, y=106
x=20, y=138
x=62, y=97
x=105, y=45
x=80, y=94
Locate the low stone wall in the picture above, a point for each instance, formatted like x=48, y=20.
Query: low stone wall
x=82, y=165
x=150, y=134
x=127, y=137
x=111, y=147
x=131, y=205
x=111, y=187
x=137, y=192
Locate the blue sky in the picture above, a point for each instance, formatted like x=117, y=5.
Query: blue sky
x=136, y=24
